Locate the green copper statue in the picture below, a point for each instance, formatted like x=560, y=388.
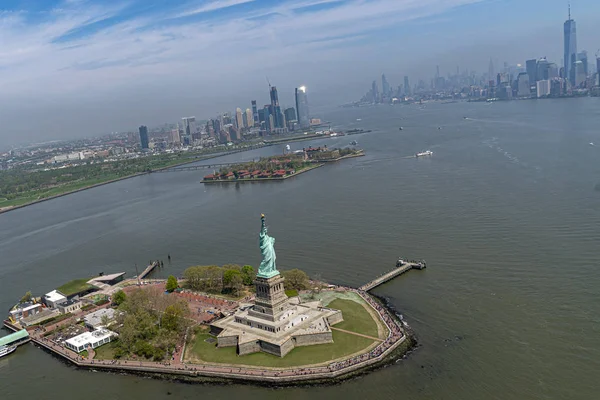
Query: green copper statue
x=267, y=267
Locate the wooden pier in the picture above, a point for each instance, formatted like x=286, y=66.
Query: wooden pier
x=401, y=267
x=148, y=269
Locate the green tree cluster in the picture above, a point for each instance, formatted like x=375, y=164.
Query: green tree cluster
x=230, y=278
x=27, y=297
x=171, y=284
x=151, y=324
x=119, y=297
x=295, y=279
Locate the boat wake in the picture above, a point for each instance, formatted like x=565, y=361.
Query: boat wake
x=494, y=145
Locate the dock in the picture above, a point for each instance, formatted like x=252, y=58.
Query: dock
x=148, y=269
x=401, y=267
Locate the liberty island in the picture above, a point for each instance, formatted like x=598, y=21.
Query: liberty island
x=270, y=338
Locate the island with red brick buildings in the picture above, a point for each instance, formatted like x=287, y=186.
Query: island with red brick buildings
x=281, y=167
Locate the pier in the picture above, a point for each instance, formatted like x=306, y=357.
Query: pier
x=148, y=269
x=401, y=267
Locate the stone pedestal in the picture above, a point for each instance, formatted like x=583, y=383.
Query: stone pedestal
x=271, y=300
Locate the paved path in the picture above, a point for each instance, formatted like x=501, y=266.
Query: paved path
x=356, y=334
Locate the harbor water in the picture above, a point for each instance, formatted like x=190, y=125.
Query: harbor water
x=506, y=212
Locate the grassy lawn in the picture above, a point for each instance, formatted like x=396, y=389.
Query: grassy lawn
x=291, y=293
x=84, y=354
x=343, y=344
x=356, y=318
x=75, y=286
x=106, y=351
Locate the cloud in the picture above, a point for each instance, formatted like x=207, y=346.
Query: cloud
x=212, y=6
x=105, y=51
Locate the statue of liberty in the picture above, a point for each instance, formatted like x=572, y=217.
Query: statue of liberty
x=267, y=268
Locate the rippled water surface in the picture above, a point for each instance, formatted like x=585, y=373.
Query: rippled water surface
x=504, y=212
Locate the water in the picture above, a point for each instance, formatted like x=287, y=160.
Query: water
x=505, y=213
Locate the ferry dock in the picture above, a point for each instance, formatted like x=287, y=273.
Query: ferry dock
x=401, y=267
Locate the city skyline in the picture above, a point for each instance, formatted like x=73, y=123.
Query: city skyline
x=117, y=66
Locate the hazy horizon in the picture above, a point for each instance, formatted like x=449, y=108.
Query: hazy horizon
x=79, y=68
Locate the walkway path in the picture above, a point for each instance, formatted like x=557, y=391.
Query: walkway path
x=356, y=334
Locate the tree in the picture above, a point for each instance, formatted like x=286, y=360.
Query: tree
x=295, y=279
x=236, y=284
x=248, y=275
x=175, y=316
x=104, y=320
x=27, y=297
x=119, y=297
x=171, y=283
x=228, y=276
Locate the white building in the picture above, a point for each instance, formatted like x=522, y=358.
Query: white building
x=54, y=298
x=94, y=320
x=94, y=339
x=543, y=88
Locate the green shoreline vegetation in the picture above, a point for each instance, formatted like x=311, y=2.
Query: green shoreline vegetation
x=23, y=186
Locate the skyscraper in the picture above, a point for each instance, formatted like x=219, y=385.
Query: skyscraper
x=491, y=75
x=583, y=57
x=385, y=86
x=189, y=125
x=239, y=119
x=598, y=69
x=375, y=92
x=570, y=56
x=302, y=107
x=542, y=69
x=531, y=68
x=290, y=114
x=144, y=136
x=275, y=109
x=406, y=86
x=250, y=118
x=255, y=113
x=523, y=86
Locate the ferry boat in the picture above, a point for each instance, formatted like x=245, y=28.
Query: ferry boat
x=6, y=350
x=424, y=154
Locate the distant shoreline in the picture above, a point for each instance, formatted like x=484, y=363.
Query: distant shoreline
x=12, y=208
x=254, y=147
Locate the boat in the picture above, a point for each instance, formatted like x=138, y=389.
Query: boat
x=6, y=350
x=424, y=154
x=358, y=119
x=353, y=143
x=401, y=128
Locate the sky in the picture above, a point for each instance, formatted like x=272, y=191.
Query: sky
x=76, y=68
